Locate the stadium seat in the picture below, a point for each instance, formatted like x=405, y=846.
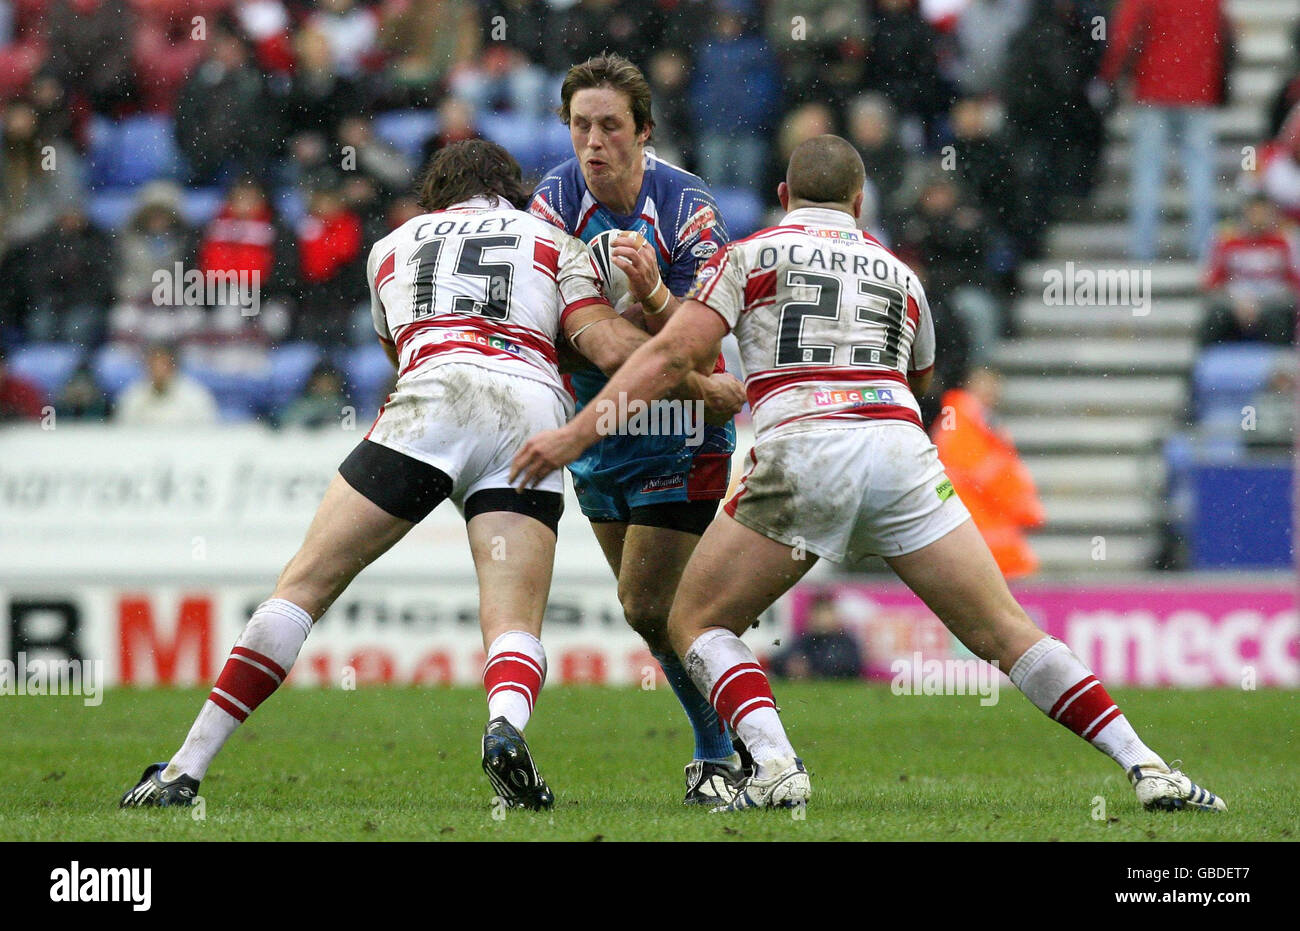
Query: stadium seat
x=290, y=204
x=132, y=151
x=200, y=205
x=240, y=394
x=111, y=209
x=407, y=130
x=1227, y=377
x=115, y=367
x=742, y=210
x=369, y=374
x=524, y=138
x=50, y=365
x=291, y=364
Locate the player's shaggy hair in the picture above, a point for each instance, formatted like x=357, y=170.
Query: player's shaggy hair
x=472, y=168
x=609, y=70
x=825, y=170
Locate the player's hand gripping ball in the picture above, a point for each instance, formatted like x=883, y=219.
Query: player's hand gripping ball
x=618, y=289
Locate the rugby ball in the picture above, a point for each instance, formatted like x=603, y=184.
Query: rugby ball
x=617, y=288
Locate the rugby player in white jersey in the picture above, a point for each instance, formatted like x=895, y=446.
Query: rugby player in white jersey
x=836, y=341
x=469, y=299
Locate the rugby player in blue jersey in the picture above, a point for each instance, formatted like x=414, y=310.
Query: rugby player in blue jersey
x=649, y=498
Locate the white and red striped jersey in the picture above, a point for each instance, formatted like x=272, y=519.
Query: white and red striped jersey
x=830, y=323
x=483, y=284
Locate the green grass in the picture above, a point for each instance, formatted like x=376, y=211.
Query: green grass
x=402, y=764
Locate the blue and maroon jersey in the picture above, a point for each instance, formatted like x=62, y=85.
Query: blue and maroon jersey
x=675, y=212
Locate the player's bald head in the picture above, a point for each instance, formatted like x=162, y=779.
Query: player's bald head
x=825, y=170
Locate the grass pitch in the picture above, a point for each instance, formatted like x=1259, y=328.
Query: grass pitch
x=403, y=764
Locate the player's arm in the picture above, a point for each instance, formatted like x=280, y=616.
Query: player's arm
x=390, y=350
x=654, y=369
x=920, y=363
x=379, y=265
x=657, y=303
x=607, y=340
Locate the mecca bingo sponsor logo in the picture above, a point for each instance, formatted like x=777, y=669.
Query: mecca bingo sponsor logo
x=826, y=397
x=469, y=336
x=851, y=236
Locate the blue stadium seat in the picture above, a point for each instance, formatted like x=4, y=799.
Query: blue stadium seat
x=200, y=205
x=407, y=130
x=291, y=364
x=50, y=365
x=290, y=204
x=1227, y=377
x=111, y=209
x=523, y=137
x=115, y=367
x=369, y=374
x=132, y=151
x=556, y=143
x=240, y=395
x=742, y=210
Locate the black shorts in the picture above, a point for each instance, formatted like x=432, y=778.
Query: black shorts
x=410, y=489
x=686, y=516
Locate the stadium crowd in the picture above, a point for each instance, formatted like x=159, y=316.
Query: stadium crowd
x=282, y=137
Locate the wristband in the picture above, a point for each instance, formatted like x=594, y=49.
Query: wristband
x=659, y=305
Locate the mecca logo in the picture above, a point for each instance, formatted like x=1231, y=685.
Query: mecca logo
x=469, y=336
x=825, y=398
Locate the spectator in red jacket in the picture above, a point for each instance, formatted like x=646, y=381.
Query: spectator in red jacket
x=1253, y=279
x=1179, y=54
x=20, y=399
x=331, y=269
x=245, y=237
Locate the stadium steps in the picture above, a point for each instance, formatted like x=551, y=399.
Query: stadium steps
x=1173, y=318
x=1073, y=552
x=1104, y=355
x=1113, y=433
x=1105, y=393
x=1091, y=392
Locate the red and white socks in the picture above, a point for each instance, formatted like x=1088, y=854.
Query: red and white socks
x=513, y=676
x=1064, y=689
x=725, y=671
x=258, y=664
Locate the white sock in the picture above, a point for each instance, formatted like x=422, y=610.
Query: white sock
x=1064, y=689
x=726, y=672
x=258, y=663
x=513, y=676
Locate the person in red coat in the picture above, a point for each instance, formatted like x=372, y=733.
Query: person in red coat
x=20, y=399
x=1179, y=54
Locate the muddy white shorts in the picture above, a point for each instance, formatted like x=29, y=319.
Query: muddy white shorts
x=846, y=492
x=469, y=422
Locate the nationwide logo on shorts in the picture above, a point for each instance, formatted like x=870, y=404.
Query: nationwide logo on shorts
x=826, y=397
x=470, y=336
x=834, y=234
x=663, y=483
x=944, y=489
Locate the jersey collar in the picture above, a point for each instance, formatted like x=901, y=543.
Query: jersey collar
x=819, y=216
x=482, y=202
